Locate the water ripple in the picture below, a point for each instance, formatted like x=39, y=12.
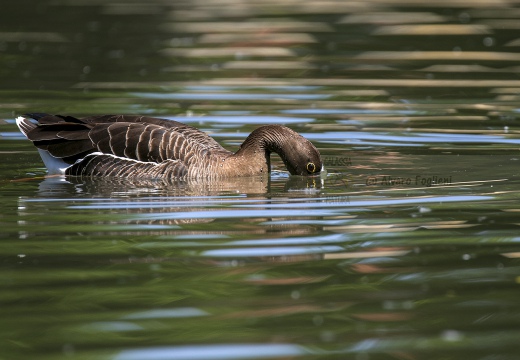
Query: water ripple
x=230, y=96
x=272, y=251
x=234, y=214
x=419, y=139
x=214, y=352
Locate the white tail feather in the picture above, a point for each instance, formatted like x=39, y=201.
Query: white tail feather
x=54, y=165
x=24, y=125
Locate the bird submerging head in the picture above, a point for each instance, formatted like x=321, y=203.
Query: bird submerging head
x=147, y=147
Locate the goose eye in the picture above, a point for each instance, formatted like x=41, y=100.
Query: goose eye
x=311, y=167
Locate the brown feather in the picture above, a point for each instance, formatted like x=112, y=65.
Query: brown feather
x=154, y=145
x=50, y=119
x=70, y=148
x=73, y=135
x=132, y=136
x=50, y=132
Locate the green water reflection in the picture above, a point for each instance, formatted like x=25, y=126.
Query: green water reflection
x=406, y=249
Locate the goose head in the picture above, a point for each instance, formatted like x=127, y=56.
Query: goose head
x=299, y=155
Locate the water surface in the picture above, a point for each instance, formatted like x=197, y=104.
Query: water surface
x=407, y=248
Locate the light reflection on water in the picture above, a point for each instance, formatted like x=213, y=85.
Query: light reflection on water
x=231, y=351
x=234, y=96
x=233, y=119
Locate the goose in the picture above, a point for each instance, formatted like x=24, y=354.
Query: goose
x=133, y=146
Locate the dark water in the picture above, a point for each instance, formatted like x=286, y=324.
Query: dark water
x=407, y=249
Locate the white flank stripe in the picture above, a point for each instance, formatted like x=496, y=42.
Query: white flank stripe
x=97, y=153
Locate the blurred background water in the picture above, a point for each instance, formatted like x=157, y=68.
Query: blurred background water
x=407, y=249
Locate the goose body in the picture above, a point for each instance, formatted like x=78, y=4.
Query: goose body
x=147, y=147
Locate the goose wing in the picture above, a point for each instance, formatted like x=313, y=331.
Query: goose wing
x=140, y=138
